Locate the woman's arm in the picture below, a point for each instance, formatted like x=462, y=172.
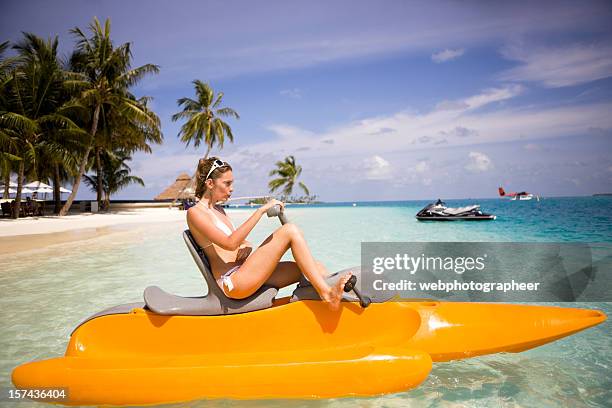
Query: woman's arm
x=204, y=224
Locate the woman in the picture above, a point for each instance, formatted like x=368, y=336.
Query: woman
x=238, y=269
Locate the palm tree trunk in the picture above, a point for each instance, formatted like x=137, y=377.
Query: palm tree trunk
x=56, y=189
x=98, y=179
x=19, y=187
x=77, y=182
x=207, y=152
x=7, y=182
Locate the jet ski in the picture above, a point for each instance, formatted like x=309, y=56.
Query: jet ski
x=171, y=349
x=438, y=211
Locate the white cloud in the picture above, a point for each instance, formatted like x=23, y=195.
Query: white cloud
x=553, y=67
x=164, y=169
x=460, y=131
x=421, y=167
x=290, y=133
x=447, y=55
x=377, y=168
x=351, y=145
x=383, y=131
x=461, y=127
x=479, y=162
x=532, y=147
x=280, y=34
x=451, y=105
x=493, y=95
x=294, y=93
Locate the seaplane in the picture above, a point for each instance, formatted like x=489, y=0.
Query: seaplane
x=523, y=195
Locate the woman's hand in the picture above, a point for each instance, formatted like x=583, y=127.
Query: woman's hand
x=271, y=204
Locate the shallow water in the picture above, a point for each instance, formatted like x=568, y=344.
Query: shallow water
x=46, y=292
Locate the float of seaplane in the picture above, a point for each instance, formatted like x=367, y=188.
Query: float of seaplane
x=520, y=196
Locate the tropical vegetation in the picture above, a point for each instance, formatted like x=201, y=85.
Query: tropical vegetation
x=115, y=175
x=107, y=77
x=203, y=118
x=203, y=121
x=60, y=118
x=288, y=172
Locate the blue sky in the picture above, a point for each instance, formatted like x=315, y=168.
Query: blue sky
x=385, y=100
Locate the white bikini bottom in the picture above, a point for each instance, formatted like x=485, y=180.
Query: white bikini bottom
x=226, y=280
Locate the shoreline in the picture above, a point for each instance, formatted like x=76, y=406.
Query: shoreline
x=53, y=224
x=34, y=233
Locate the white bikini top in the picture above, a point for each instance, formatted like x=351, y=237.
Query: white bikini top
x=221, y=225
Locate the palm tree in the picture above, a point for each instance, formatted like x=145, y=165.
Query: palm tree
x=116, y=131
x=57, y=160
x=288, y=172
x=61, y=148
x=8, y=139
x=203, y=118
x=203, y=121
x=33, y=98
x=107, y=76
x=115, y=175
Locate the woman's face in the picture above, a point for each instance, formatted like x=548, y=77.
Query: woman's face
x=223, y=187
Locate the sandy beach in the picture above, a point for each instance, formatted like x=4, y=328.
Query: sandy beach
x=30, y=233
x=53, y=224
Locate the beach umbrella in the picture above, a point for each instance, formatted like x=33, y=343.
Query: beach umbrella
x=65, y=190
x=44, y=191
x=13, y=189
x=37, y=184
x=10, y=191
x=11, y=184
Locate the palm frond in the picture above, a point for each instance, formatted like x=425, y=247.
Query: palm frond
x=19, y=123
x=228, y=112
x=273, y=185
x=134, y=76
x=303, y=186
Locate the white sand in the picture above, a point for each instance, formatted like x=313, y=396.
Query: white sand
x=51, y=224
x=30, y=233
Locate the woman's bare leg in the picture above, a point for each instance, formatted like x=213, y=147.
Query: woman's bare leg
x=285, y=274
x=262, y=263
x=288, y=272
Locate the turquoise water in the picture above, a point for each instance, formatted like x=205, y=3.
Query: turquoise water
x=46, y=292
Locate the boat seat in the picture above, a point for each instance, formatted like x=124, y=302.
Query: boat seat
x=214, y=303
x=461, y=210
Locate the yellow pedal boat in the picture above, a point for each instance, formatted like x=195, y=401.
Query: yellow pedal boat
x=171, y=349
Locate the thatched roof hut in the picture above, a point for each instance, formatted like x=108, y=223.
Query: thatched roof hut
x=182, y=188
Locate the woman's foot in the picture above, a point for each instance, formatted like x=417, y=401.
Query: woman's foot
x=334, y=295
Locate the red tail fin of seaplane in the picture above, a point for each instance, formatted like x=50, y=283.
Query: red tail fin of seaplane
x=502, y=193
